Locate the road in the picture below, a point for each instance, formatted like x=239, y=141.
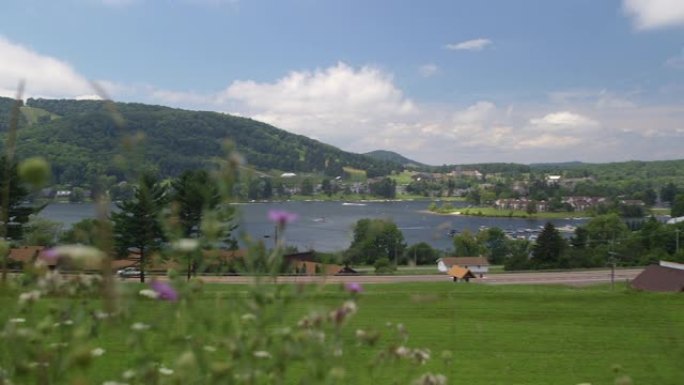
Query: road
x=576, y=278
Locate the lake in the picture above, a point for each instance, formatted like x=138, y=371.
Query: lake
x=327, y=226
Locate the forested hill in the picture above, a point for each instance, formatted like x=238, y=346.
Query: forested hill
x=80, y=139
x=391, y=156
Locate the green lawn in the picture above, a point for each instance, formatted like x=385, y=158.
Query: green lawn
x=498, y=334
x=494, y=212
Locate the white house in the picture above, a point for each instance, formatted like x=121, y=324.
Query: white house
x=477, y=265
x=675, y=220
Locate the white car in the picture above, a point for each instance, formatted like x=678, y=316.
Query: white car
x=128, y=272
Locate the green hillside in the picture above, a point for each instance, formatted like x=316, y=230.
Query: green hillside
x=390, y=156
x=81, y=139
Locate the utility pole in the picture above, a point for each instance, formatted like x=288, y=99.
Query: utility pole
x=612, y=261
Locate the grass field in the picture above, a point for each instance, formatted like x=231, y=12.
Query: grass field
x=498, y=334
x=494, y=212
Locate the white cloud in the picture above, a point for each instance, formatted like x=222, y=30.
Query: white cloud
x=547, y=141
x=44, y=76
x=676, y=62
x=653, y=14
x=333, y=104
x=215, y=3
x=118, y=3
x=563, y=120
x=428, y=70
x=470, y=45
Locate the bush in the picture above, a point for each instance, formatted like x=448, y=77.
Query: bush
x=384, y=266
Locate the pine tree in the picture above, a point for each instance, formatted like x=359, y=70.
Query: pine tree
x=549, y=247
x=193, y=192
x=18, y=211
x=137, y=224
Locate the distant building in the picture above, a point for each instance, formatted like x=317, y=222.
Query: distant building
x=633, y=202
x=666, y=276
x=467, y=173
x=457, y=272
x=675, y=220
x=477, y=265
x=305, y=263
x=553, y=179
x=581, y=203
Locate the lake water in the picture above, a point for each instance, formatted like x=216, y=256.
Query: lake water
x=327, y=226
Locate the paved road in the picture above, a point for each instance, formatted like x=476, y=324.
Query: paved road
x=569, y=278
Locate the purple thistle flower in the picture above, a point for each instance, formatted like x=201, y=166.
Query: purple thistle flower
x=50, y=255
x=166, y=292
x=282, y=217
x=353, y=287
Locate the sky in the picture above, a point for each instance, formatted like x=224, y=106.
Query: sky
x=438, y=81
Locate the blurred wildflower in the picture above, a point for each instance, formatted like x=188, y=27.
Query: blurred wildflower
x=164, y=290
x=402, y=351
x=139, y=326
x=421, y=356
x=623, y=380
x=149, y=293
x=129, y=374
x=34, y=171
x=262, y=354
x=29, y=296
x=337, y=373
x=447, y=357
x=339, y=315
x=97, y=352
x=86, y=256
x=187, y=360
x=282, y=217
x=185, y=245
x=165, y=371
x=17, y=320
x=353, y=287
x=49, y=255
x=431, y=379
x=101, y=315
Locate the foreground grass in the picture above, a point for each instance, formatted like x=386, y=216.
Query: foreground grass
x=498, y=334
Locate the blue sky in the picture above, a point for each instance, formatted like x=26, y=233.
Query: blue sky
x=437, y=81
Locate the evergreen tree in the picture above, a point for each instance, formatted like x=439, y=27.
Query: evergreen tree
x=307, y=187
x=386, y=188
x=326, y=186
x=668, y=193
x=18, y=211
x=137, y=223
x=193, y=192
x=549, y=247
x=580, y=239
x=678, y=206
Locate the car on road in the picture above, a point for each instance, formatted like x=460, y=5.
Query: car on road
x=128, y=272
